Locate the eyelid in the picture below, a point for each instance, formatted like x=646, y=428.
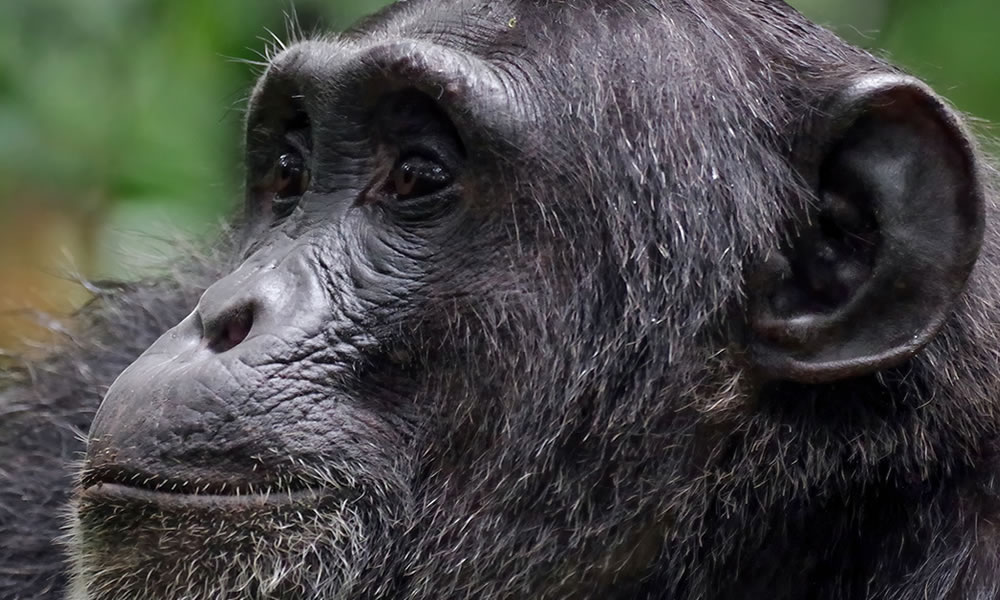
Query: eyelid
x=299, y=141
x=439, y=153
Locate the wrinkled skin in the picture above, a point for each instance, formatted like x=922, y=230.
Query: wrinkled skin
x=684, y=300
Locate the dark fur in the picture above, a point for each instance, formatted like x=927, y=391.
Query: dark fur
x=46, y=410
x=617, y=446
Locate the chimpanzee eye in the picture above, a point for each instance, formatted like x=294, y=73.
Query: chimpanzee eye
x=291, y=178
x=288, y=180
x=414, y=176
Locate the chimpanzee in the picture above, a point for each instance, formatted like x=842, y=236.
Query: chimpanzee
x=582, y=299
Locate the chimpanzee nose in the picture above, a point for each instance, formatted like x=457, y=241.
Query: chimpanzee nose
x=239, y=304
x=259, y=298
x=284, y=299
x=194, y=377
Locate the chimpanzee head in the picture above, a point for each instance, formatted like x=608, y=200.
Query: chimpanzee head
x=518, y=282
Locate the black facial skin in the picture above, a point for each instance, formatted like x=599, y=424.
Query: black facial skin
x=594, y=300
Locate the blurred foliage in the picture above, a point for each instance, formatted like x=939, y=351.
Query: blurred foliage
x=120, y=119
x=127, y=112
x=120, y=127
x=951, y=44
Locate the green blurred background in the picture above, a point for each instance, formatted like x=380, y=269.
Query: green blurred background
x=120, y=119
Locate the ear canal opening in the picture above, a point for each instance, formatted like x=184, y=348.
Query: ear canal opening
x=830, y=261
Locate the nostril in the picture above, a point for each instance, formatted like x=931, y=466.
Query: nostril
x=231, y=330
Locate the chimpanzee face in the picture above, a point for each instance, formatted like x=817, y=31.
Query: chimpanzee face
x=507, y=272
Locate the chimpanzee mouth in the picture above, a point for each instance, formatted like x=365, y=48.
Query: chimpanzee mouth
x=117, y=485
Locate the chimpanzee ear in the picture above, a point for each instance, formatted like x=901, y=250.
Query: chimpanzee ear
x=872, y=273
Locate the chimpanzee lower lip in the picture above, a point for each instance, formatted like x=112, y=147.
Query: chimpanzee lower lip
x=116, y=492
